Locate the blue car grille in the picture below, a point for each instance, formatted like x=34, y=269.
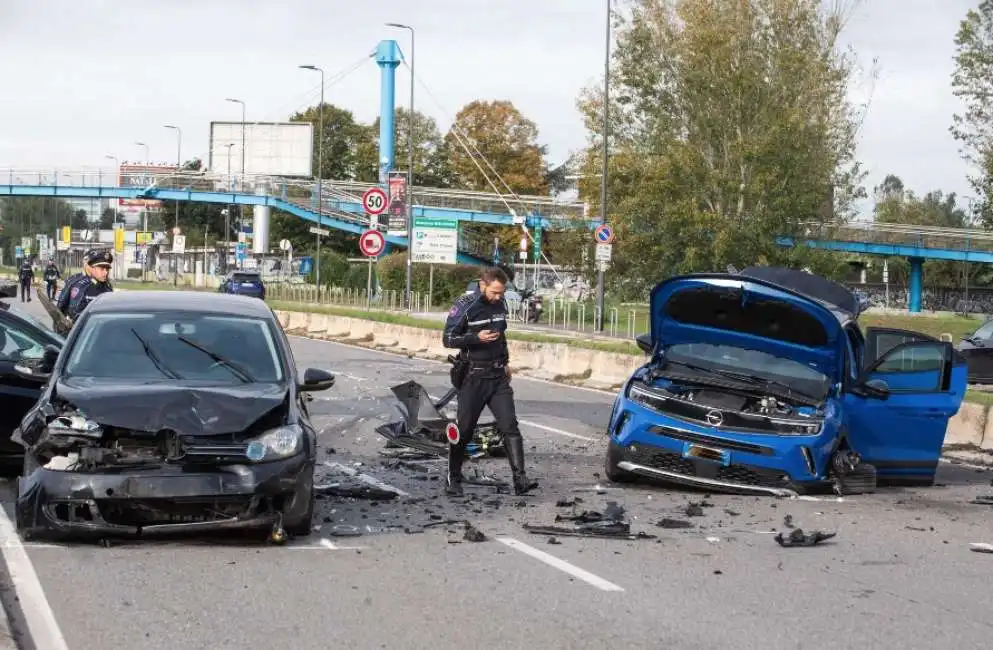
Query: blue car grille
x=737, y=473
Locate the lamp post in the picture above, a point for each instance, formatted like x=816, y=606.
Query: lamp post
x=179, y=167
x=144, y=211
x=241, y=209
x=320, y=164
x=410, y=169
x=117, y=203
x=227, y=214
x=603, y=176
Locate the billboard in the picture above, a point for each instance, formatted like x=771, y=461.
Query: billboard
x=272, y=148
x=141, y=176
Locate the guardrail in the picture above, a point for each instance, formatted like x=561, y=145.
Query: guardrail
x=900, y=235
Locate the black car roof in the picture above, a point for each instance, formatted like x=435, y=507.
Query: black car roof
x=197, y=301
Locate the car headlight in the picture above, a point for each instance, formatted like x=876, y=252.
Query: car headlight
x=276, y=444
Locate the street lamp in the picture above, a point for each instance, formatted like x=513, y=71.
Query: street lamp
x=179, y=167
x=227, y=213
x=410, y=168
x=144, y=212
x=320, y=163
x=603, y=176
x=241, y=208
x=117, y=201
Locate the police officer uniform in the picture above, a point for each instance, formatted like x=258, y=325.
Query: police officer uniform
x=80, y=291
x=486, y=383
x=51, y=275
x=26, y=275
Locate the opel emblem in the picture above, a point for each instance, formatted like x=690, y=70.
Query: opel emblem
x=715, y=418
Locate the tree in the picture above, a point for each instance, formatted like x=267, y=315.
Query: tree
x=972, y=83
x=430, y=164
x=496, y=137
x=342, y=139
x=107, y=219
x=730, y=125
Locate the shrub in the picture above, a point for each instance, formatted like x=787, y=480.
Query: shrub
x=450, y=280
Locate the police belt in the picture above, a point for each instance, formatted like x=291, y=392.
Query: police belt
x=480, y=366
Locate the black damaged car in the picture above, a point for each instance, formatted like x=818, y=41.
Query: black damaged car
x=169, y=412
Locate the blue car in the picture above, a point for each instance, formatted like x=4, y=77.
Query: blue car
x=245, y=283
x=762, y=382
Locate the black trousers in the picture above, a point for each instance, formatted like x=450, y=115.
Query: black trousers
x=490, y=387
x=25, y=290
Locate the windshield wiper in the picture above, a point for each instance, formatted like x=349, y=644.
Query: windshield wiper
x=236, y=369
x=162, y=367
x=744, y=378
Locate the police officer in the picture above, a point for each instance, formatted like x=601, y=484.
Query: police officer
x=477, y=327
x=50, y=276
x=80, y=289
x=26, y=276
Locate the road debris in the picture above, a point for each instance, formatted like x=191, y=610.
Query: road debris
x=666, y=522
x=788, y=520
x=355, y=492
x=590, y=523
x=983, y=500
x=797, y=537
x=981, y=547
x=473, y=534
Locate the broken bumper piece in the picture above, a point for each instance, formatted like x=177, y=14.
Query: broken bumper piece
x=163, y=500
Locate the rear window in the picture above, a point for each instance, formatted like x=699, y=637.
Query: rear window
x=722, y=308
x=246, y=277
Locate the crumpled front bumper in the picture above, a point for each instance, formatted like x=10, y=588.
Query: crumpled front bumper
x=53, y=503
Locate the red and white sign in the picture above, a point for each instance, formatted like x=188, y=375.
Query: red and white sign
x=374, y=201
x=452, y=433
x=372, y=243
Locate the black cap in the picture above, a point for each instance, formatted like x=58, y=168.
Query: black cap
x=98, y=257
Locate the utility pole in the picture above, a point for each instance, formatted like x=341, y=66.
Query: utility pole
x=603, y=175
x=175, y=230
x=410, y=173
x=241, y=208
x=320, y=166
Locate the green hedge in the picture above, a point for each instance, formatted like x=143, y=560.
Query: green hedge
x=450, y=280
x=337, y=271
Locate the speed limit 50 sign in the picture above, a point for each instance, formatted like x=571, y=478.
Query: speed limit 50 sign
x=374, y=201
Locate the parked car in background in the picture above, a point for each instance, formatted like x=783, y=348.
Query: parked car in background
x=244, y=283
x=977, y=348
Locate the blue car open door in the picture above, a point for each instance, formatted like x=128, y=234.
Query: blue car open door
x=897, y=412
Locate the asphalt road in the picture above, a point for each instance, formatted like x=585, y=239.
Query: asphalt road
x=898, y=574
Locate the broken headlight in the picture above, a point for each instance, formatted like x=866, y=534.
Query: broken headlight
x=276, y=444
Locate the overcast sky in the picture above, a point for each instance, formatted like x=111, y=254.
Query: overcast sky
x=86, y=78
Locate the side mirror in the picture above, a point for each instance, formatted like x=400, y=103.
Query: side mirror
x=315, y=379
x=644, y=342
x=39, y=369
x=874, y=388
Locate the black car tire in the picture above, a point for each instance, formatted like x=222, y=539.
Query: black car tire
x=861, y=480
x=610, y=469
x=302, y=527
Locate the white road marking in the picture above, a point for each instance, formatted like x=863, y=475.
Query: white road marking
x=38, y=614
x=560, y=564
x=365, y=478
x=331, y=546
x=558, y=432
x=543, y=427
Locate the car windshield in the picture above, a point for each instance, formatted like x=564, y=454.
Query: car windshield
x=760, y=365
x=171, y=346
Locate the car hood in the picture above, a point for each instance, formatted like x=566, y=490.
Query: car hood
x=733, y=310
x=188, y=410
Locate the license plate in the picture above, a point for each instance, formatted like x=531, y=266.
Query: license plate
x=160, y=487
x=707, y=453
x=247, y=285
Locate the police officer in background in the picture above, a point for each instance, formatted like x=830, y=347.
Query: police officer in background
x=83, y=287
x=477, y=327
x=51, y=276
x=26, y=276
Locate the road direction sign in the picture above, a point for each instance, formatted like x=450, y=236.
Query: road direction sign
x=435, y=241
x=374, y=201
x=604, y=234
x=323, y=232
x=372, y=243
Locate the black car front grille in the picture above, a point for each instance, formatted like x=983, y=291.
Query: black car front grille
x=735, y=473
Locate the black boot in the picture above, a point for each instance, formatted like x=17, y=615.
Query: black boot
x=515, y=454
x=453, y=482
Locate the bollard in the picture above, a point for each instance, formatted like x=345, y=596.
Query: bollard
x=567, y=317
x=632, y=317
x=613, y=321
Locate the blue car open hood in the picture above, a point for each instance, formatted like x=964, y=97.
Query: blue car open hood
x=726, y=309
